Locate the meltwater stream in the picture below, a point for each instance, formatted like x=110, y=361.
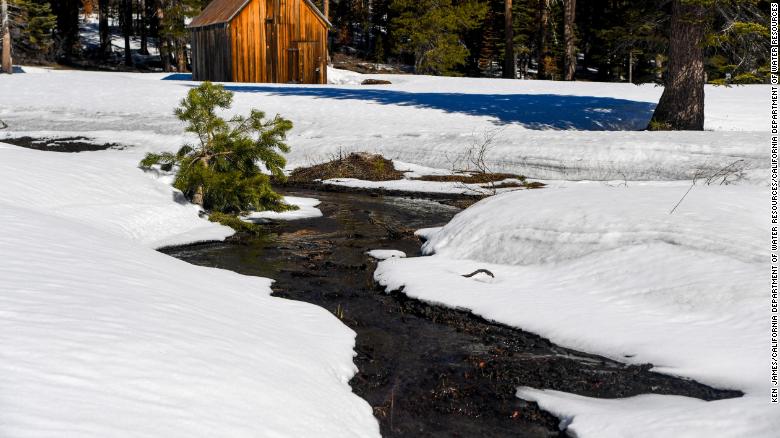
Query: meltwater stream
x=427, y=371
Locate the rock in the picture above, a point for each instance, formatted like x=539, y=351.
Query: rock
x=375, y=82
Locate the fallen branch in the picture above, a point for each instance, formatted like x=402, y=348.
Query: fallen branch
x=3, y=125
x=480, y=271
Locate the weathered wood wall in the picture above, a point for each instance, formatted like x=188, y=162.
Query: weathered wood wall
x=211, y=57
x=279, y=41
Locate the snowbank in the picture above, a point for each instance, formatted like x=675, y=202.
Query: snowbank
x=608, y=270
x=100, y=335
x=344, y=77
x=307, y=209
x=106, y=191
x=384, y=254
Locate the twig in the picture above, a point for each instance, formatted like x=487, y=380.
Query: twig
x=480, y=271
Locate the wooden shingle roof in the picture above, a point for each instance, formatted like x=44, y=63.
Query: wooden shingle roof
x=222, y=11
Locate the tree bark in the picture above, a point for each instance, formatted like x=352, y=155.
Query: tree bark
x=67, y=12
x=5, y=30
x=105, y=42
x=569, y=40
x=681, y=106
x=541, y=38
x=181, y=55
x=127, y=29
x=509, y=45
x=142, y=22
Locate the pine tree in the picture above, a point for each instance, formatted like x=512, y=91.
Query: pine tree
x=432, y=32
x=220, y=172
x=173, y=32
x=30, y=27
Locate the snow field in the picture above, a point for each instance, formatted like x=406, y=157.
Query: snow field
x=100, y=335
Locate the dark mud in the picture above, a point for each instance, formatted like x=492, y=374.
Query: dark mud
x=64, y=144
x=428, y=371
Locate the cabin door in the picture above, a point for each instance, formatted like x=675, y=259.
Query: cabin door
x=308, y=62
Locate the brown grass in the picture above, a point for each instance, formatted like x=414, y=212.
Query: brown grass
x=474, y=178
x=369, y=167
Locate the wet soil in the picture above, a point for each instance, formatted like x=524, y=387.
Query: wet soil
x=64, y=144
x=428, y=371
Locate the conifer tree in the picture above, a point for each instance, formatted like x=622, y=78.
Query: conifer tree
x=220, y=172
x=29, y=29
x=431, y=31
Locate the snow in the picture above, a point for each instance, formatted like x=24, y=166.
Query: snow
x=105, y=191
x=344, y=77
x=384, y=254
x=609, y=270
x=548, y=130
x=412, y=185
x=103, y=336
x=307, y=209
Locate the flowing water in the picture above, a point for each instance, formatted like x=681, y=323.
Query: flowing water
x=427, y=371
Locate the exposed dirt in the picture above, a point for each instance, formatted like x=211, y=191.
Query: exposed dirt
x=428, y=371
x=64, y=144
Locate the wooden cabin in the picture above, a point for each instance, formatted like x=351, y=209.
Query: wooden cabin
x=282, y=41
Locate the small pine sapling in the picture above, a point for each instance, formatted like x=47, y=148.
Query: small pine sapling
x=220, y=172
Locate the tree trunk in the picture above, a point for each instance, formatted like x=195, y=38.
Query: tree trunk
x=142, y=22
x=541, y=38
x=164, y=42
x=5, y=30
x=681, y=106
x=181, y=55
x=197, y=198
x=569, y=40
x=105, y=42
x=127, y=28
x=67, y=29
x=509, y=45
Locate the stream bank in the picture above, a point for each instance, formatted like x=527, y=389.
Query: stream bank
x=426, y=370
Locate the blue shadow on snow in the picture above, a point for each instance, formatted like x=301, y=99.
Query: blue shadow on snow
x=532, y=111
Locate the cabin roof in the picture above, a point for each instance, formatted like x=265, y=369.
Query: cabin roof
x=222, y=11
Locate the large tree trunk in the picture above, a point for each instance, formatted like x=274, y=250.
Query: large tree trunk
x=569, y=40
x=541, y=38
x=6, y=63
x=67, y=12
x=127, y=29
x=509, y=45
x=105, y=42
x=681, y=106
